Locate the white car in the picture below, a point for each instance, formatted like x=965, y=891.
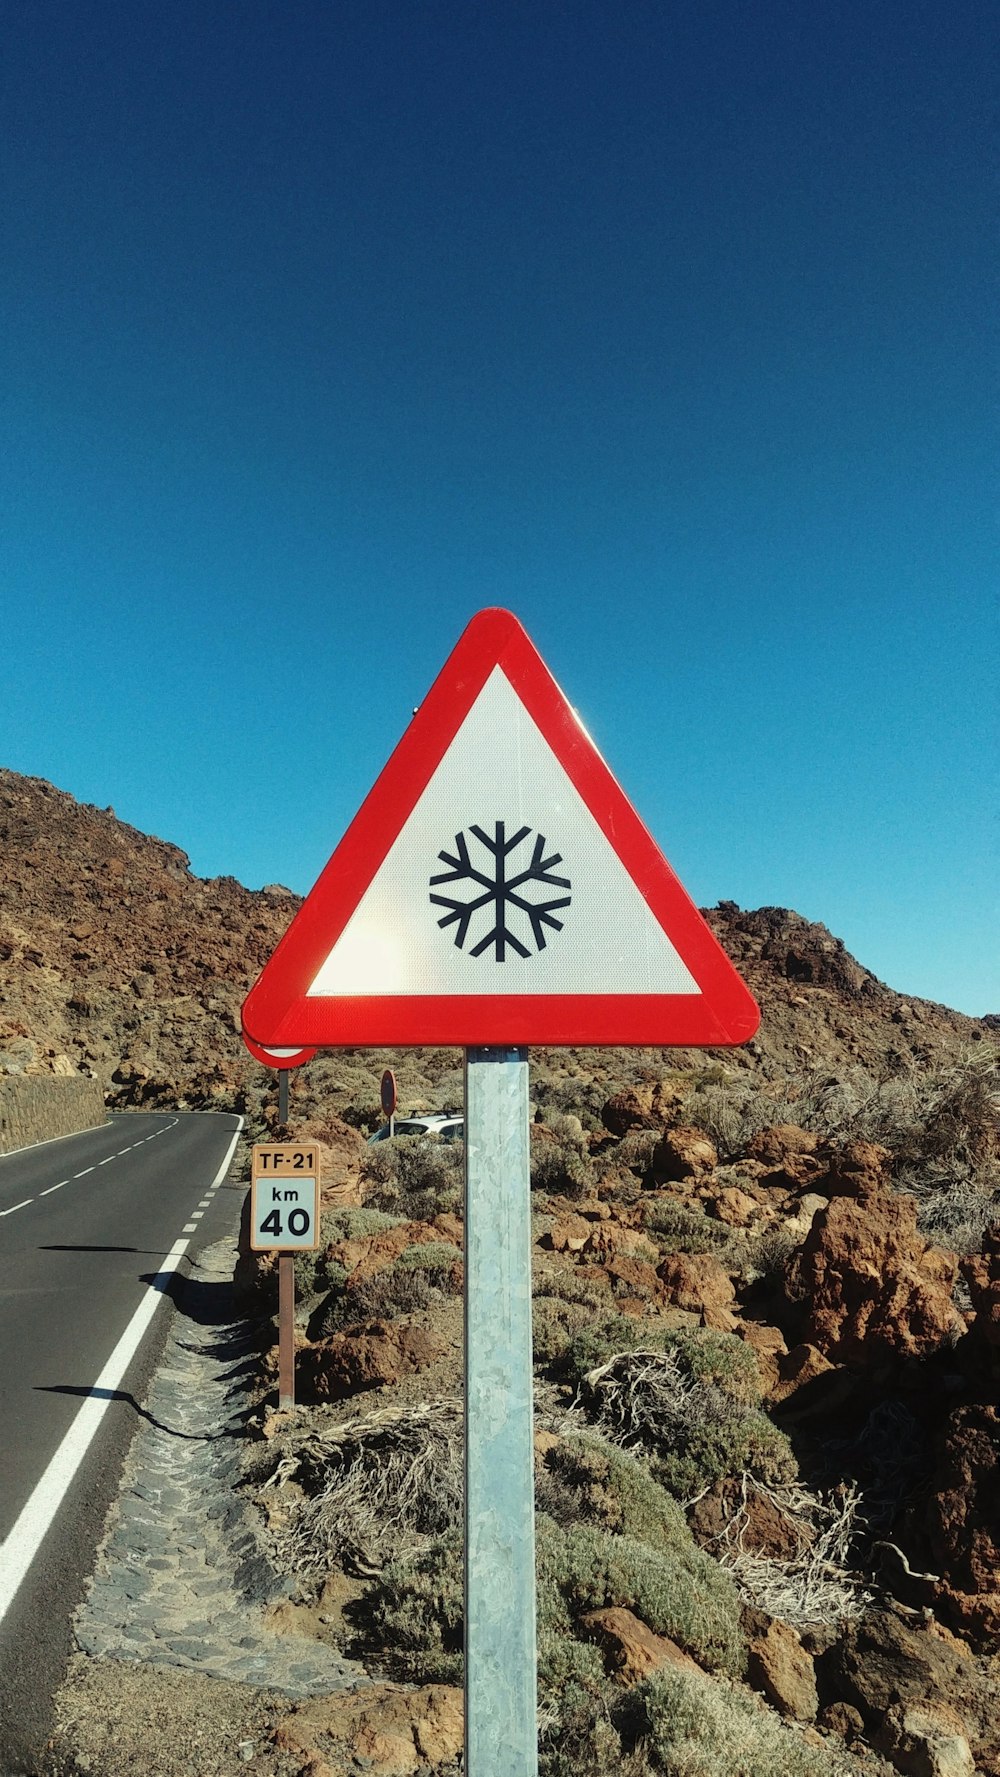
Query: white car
x=441, y=1125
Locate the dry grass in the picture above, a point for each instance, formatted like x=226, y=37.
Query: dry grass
x=373, y=1489
x=816, y=1584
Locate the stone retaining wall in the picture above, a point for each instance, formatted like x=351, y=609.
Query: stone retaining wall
x=34, y=1108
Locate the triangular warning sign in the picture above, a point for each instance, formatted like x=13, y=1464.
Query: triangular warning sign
x=497, y=887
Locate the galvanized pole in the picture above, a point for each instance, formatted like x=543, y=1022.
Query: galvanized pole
x=501, y=1735
x=286, y=1329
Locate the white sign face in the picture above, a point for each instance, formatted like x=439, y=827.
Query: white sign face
x=502, y=882
x=284, y=1199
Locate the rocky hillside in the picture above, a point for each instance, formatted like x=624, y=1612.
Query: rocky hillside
x=766, y=1321
x=115, y=960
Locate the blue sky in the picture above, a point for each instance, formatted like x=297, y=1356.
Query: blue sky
x=666, y=326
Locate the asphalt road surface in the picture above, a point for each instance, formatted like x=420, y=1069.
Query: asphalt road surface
x=86, y=1225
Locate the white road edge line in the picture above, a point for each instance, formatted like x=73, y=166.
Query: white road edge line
x=25, y=1539
x=22, y=1205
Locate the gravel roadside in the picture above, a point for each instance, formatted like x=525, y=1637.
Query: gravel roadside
x=181, y=1670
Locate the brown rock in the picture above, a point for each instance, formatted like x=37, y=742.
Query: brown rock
x=734, y=1207
x=842, y=1719
x=860, y=1166
x=807, y=1208
x=881, y=1660
x=630, y=1109
x=925, y=1740
x=698, y=1283
x=631, y=1650
x=786, y=1156
x=634, y=1278
x=764, y=1528
x=612, y=1240
x=349, y=1363
x=392, y=1731
x=982, y=1274
x=779, y=1666
x=963, y=1518
x=781, y=1143
x=797, y=1368
x=568, y=1235
x=869, y=1295
x=683, y=1153
x=768, y=1346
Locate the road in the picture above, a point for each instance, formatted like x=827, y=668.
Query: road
x=86, y=1226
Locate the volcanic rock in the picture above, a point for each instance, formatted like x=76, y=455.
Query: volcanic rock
x=683, y=1153
x=374, y=1356
x=631, y=1649
x=963, y=1518
x=925, y=1740
x=872, y=1292
x=779, y=1666
x=698, y=1283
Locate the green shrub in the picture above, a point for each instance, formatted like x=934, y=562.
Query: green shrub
x=585, y=1477
x=411, y=1616
x=576, y=1737
x=554, y=1324
x=688, y=1398
x=415, y=1177
x=676, y=1589
x=705, y=1356
x=562, y=1168
x=678, y=1229
x=689, y=1726
x=354, y=1224
x=419, y=1277
x=439, y=1260
x=707, y=1449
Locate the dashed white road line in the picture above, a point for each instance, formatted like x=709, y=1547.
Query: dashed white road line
x=84, y=1173
x=22, y=1205
x=50, y=1188
x=190, y=1228
x=25, y=1539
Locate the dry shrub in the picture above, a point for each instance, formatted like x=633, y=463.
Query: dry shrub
x=688, y=1405
x=373, y=1488
x=815, y=1585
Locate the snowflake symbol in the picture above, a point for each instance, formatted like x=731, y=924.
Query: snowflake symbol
x=501, y=897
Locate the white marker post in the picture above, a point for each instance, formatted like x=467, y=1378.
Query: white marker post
x=501, y=1733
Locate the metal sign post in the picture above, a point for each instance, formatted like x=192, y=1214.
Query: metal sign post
x=501, y=1734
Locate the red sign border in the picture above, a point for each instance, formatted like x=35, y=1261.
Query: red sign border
x=278, y=1011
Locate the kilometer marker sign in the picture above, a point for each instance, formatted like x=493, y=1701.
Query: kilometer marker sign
x=284, y=1198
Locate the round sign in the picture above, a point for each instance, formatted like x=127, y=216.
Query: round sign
x=388, y=1092
x=278, y=1058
